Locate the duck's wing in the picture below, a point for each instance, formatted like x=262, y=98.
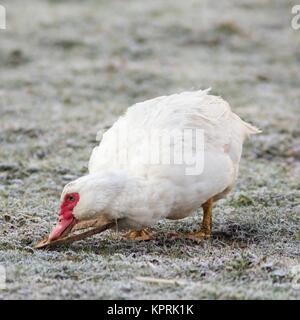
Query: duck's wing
x=223, y=130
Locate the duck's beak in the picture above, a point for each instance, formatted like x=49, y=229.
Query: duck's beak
x=64, y=226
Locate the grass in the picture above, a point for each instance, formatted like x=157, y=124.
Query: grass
x=59, y=88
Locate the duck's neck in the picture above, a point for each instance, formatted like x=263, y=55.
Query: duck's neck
x=142, y=200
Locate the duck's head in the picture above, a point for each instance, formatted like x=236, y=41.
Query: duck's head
x=86, y=198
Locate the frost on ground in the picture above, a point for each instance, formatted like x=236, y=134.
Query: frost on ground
x=69, y=69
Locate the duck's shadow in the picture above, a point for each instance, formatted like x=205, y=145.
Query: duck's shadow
x=238, y=235
x=233, y=235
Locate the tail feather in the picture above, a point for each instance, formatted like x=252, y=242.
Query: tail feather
x=250, y=129
x=246, y=127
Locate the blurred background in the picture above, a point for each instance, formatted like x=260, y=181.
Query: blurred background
x=70, y=68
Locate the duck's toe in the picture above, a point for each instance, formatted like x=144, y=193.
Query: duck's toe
x=198, y=236
x=140, y=235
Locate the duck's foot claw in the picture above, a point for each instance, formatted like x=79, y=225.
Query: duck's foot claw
x=198, y=236
x=141, y=235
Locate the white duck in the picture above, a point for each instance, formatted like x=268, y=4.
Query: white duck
x=123, y=185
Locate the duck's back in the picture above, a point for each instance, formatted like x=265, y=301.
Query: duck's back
x=128, y=144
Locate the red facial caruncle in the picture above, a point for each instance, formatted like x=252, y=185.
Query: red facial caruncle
x=66, y=217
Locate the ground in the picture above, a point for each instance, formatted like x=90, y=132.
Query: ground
x=69, y=68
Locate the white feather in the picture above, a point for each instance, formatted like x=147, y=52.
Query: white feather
x=142, y=193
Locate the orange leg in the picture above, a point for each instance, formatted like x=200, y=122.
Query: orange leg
x=206, y=226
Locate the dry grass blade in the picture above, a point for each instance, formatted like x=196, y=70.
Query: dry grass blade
x=69, y=239
x=160, y=281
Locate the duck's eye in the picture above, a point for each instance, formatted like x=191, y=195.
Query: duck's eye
x=71, y=198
